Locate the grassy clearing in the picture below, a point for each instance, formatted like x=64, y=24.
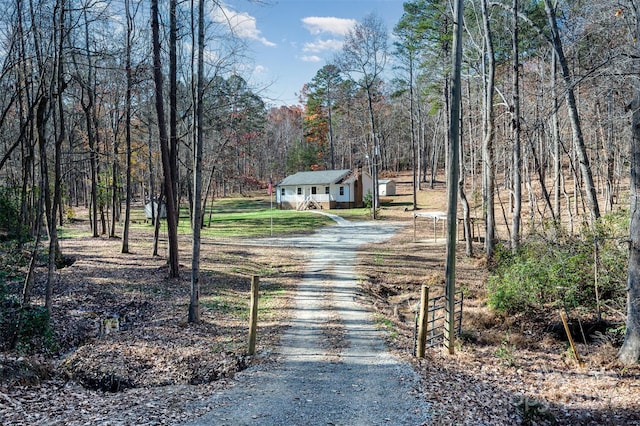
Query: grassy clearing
x=233, y=217
x=258, y=223
x=353, y=214
x=234, y=304
x=226, y=302
x=68, y=232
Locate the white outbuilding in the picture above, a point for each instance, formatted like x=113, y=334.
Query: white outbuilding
x=386, y=187
x=151, y=210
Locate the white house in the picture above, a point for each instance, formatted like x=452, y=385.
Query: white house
x=325, y=189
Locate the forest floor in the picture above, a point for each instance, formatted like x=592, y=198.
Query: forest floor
x=129, y=357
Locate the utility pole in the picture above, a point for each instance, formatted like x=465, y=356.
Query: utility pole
x=376, y=196
x=452, y=179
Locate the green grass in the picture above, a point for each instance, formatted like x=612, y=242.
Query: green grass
x=235, y=304
x=239, y=205
x=385, y=324
x=226, y=303
x=353, y=214
x=258, y=223
x=241, y=217
x=269, y=304
x=247, y=217
x=70, y=232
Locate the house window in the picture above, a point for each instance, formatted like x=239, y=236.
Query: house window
x=326, y=190
x=299, y=191
x=342, y=190
x=282, y=191
x=313, y=190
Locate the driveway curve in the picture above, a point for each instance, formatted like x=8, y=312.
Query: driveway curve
x=357, y=383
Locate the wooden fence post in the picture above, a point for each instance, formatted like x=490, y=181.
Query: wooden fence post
x=422, y=322
x=563, y=316
x=253, y=313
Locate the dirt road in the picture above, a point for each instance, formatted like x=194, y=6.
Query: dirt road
x=334, y=368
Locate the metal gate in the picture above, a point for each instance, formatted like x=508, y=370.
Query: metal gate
x=436, y=314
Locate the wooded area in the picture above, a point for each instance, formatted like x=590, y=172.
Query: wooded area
x=104, y=103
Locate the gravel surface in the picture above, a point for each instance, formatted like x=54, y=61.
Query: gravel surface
x=333, y=366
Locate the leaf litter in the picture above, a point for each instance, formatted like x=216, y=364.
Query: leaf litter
x=150, y=366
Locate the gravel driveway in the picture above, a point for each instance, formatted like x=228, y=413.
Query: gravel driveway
x=356, y=383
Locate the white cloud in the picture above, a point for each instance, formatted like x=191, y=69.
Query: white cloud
x=240, y=23
x=311, y=58
x=318, y=25
x=322, y=45
x=259, y=69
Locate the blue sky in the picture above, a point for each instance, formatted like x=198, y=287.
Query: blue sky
x=290, y=40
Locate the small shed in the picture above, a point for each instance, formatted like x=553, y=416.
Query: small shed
x=386, y=187
x=152, y=208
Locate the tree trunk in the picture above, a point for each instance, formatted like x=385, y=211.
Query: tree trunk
x=152, y=199
x=61, y=135
x=414, y=155
x=488, y=138
x=115, y=198
x=173, y=104
x=435, y=149
x=574, y=118
x=26, y=139
x=421, y=160
x=172, y=223
x=156, y=223
x=44, y=171
x=466, y=211
x=29, y=279
x=630, y=350
x=515, y=126
x=555, y=132
x=609, y=153
x=206, y=195
x=539, y=170
x=103, y=219
x=88, y=106
x=51, y=202
x=376, y=154
x=331, y=141
x=127, y=209
x=194, y=302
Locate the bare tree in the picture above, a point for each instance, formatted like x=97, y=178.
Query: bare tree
x=172, y=223
x=127, y=124
x=488, y=134
x=630, y=350
x=411, y=41
x=572, y=108
x=194, y=302
x=364, y=55
x=58, y=82
x=453, y=175
x=515, y=128
x=173, y=104
x=88, y=104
